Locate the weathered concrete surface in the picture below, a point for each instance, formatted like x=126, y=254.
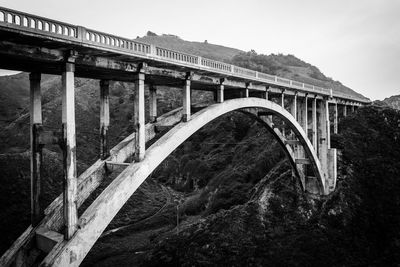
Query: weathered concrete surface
x=139, y=117
x=69, y=151
x=104, y=117
x=88, y=181
x=36, y=149
x=98, y=215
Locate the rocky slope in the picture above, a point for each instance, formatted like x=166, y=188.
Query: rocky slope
x=393, y=102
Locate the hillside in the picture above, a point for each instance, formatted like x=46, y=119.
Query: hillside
x=203, y=49
x=393, y=102
x=357, y=225
x=287, y=66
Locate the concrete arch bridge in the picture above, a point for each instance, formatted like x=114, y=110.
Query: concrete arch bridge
x=298, y=115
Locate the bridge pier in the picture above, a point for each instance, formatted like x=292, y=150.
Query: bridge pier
x=265, y=93
x=104, y=118
x=335, y=118
x=246, y=90
x=36, y=148
x=327, y=155
x=69, y=150
x=314, y=123
x=324, y=132
x=267, y=98
x=220, y=92
x=283, y=106
x=302, y=119
x=305, y=114
x=153, y=103
x=139, y=117
x=186, y=99
x=293, y=109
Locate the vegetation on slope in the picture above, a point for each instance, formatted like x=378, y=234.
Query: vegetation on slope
x=358, y=225
x=205, y=49
x=290, y=67
x=287, y=66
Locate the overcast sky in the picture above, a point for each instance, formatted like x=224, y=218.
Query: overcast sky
x=354, y=41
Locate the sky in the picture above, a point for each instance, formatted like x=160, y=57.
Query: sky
x=356, y=42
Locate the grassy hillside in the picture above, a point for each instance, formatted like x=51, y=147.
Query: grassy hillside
x=290, y=67
x=287, y=66
x=203, y=49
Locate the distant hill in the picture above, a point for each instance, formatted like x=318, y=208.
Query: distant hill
x=203, y=49
x=287, y=66
x=393, y=102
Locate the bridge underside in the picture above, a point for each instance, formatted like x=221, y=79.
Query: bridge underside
x=49, y=56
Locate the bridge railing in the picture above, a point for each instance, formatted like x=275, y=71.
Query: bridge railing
x=244, y=72
x=31, y=23
x=37, y=24
x=265, y=76
x=216, y=65
x=175, y=56
x=112, y=41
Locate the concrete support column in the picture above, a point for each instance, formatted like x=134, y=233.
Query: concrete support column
x=328, y=155
x=352, y=109
x=36, y=149
x=335, y=119
x=314, y=123
x=283, y=106
x=324, y=140
x=305, y=114
x=327, y=123
x=293, y=108
x=153, y=103
x=139, y=117
x=186, y=100
x=267, y=98
x=246, y=90
x=220, y=93
x=344, y=110
x=104, y=118
x=69, y=150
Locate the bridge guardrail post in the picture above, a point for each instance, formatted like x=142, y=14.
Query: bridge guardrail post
x=153, y=50
x=81, y=33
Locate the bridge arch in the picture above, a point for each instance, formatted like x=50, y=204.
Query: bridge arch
x=100, y=213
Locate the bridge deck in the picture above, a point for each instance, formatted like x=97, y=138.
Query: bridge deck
x=33, y=43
